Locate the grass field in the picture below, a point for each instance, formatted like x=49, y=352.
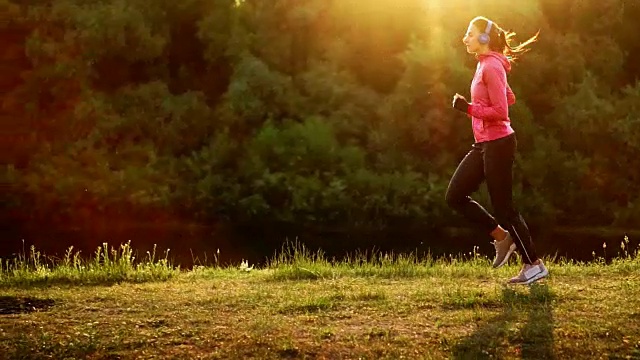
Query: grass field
x=302, y=305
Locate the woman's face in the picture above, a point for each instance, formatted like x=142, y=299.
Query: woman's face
x=471, y=40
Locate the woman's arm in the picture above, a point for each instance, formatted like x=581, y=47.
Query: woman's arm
x=511, y=97
x=495, y=78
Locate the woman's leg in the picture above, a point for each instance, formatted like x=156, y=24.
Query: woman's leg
x=465, y=181
x=499, y=156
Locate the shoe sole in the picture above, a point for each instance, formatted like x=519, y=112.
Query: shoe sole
x=512, y=248
x=536, y=277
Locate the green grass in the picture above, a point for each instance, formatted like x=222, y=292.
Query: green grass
x=303, y=305
x=106, y=266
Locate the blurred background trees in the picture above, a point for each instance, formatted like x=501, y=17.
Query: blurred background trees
x=318, y=113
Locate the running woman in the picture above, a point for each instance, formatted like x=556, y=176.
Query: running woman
x=492, y=155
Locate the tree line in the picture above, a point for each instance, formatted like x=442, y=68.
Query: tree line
x=319, y=113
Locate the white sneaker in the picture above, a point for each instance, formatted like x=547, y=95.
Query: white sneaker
x=530, y=273
x=504, y=249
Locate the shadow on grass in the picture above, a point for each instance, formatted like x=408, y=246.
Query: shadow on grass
x=534, y=340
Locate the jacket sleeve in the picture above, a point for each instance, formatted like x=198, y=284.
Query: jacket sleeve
x=495, y=79
x=511, y=97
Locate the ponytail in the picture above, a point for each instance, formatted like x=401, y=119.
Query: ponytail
x=501, y=39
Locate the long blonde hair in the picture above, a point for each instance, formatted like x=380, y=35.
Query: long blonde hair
x=501, y=39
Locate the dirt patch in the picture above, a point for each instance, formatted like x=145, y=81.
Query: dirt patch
x=20, y=305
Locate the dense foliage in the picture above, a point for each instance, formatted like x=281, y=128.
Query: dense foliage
x=317, y=112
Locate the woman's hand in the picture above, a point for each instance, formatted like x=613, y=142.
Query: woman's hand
x=460, y=103
x=458, y=96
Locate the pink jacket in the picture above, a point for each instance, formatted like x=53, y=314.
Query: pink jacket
x=490, y=98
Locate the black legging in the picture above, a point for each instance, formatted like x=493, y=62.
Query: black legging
x=491, y=161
